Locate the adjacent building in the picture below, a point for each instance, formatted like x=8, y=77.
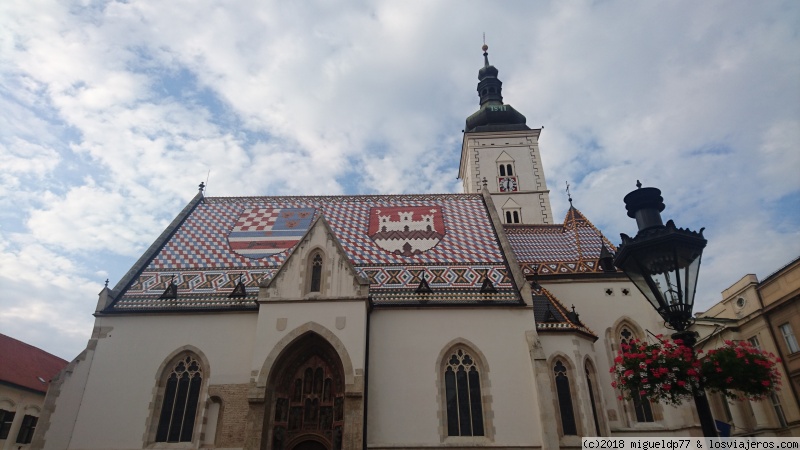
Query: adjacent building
x=25, y=374
x=767, y=314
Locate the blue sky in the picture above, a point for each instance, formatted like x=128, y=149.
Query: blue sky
x=111, y=114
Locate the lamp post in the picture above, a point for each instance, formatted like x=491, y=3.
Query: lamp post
x=663, y=262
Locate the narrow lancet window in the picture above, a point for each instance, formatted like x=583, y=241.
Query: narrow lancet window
x=564, y=399
x=316, y=273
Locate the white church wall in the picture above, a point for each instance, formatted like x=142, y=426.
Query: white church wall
x=405, y=395
x=344, y=319
x=117, y=402
x=603, y=306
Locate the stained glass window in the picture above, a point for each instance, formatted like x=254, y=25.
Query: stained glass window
x=463, y=395
x=181, y=397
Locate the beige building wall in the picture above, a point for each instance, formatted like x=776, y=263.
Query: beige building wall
x=22, y=402
x=743, y=315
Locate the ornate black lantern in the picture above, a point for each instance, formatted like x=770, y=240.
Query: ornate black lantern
x=662, y=260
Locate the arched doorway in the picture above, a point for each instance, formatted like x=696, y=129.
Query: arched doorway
x=307, y=408
x=310, y=445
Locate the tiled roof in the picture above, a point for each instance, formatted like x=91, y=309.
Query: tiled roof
x=551, y=315
x=26, y=366
x=222, y=240
x=573, y=247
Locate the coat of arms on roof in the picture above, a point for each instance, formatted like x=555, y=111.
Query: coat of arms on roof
x=262, y=231
x=406, y=230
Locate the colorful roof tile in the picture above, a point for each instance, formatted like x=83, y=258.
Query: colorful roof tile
x=390, y=240
x=26, y=366
x=571, y=248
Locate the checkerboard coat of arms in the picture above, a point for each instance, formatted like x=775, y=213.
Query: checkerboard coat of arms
x=406, y=230
x=262, y=231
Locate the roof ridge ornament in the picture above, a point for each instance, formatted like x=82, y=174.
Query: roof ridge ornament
x=424, y=287
x=171, y=292
x=569, y=196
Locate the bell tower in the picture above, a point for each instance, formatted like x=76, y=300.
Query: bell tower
x=501, y=153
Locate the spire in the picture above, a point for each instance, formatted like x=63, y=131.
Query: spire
x=489, y=86
x=493, y=115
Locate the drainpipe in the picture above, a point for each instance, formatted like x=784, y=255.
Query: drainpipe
x=366, y=375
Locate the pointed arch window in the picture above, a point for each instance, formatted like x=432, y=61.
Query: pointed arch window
x=462, y=378
x=181, y=398
x=641, y=406
x=564, y=399
x=316, y=273
x=591, y=383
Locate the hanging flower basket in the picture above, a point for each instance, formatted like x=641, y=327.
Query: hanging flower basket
x=664, y=371
x=741, y=371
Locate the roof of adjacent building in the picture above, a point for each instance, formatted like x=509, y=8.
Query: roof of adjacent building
x=573, y=247
x=26, y=366
x=393, y=241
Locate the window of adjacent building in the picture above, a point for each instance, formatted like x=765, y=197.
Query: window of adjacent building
x=181, y=397
x=512, y=216
x=564, y=399
x=776, y=404
x=6, y=418
x=754, y=342
x=462, y=378
x=642, y=408
x=788, y=336
x=26, y=429
x=316, y=273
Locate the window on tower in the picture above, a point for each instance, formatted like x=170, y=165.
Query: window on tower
x=512, y=215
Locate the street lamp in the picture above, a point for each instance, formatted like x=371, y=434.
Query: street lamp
x=663, y=262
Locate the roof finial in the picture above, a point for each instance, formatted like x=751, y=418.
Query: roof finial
x=106, y=282
x=569, y=196
x=202, y=186
x=638, y=184
x=485, y=49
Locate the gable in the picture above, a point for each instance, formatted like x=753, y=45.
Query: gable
x=338, y=278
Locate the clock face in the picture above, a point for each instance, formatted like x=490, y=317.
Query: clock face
x=508, y=184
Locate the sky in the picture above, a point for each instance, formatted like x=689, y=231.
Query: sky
x=112, y=113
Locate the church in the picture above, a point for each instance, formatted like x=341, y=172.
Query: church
x=368, y=321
